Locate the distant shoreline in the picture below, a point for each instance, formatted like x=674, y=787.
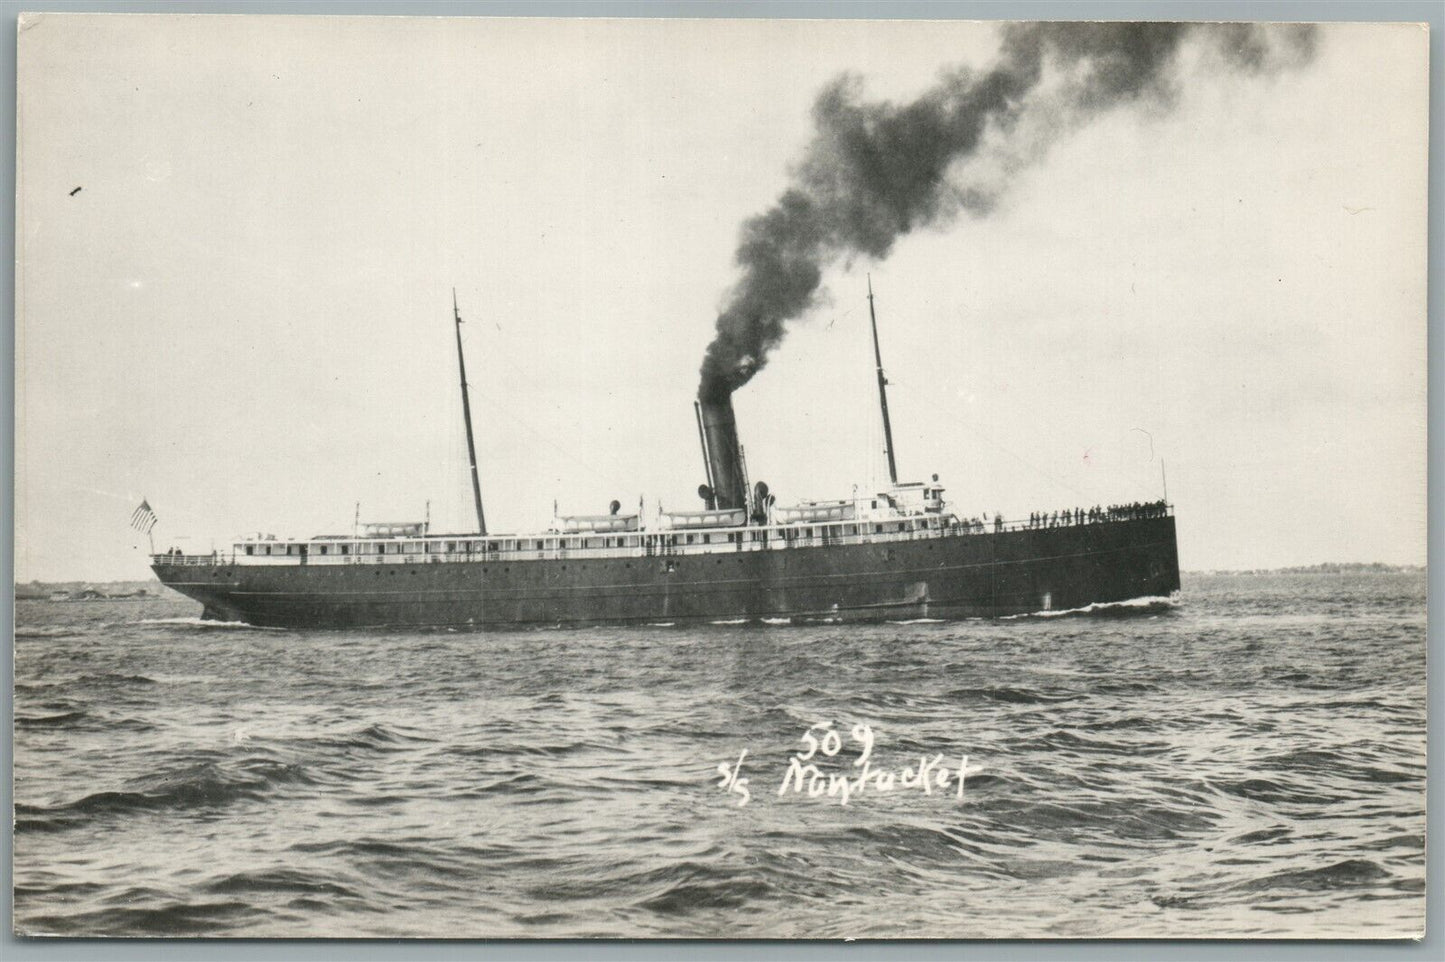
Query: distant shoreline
x=89, y=590
x=1328, y=568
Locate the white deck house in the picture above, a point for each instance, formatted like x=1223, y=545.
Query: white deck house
x=905, y=512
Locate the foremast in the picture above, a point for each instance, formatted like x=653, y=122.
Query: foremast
x=467, y=417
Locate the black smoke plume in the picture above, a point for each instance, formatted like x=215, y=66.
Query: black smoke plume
x=878, y=170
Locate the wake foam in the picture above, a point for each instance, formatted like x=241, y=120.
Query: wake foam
x=1149, y=604
x=195, y=622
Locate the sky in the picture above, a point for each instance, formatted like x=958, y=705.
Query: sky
x=244, y=314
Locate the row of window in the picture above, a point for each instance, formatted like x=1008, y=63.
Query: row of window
x=440, y=547
x=552, y=544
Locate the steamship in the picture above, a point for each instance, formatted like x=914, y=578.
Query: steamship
x=740, y=556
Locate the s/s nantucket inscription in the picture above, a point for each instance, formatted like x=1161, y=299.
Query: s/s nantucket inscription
x=804, y=776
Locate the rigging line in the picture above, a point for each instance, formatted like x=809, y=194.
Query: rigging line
x=941, y=410
x=1042, y=472
x=129, y=498
x=606, y=474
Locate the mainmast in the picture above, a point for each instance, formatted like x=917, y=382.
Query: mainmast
x=467, y=417
x=882, y=389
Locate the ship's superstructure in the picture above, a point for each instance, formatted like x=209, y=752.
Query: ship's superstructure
x=897, y=553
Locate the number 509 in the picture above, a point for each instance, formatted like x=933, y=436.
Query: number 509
x=831, y=742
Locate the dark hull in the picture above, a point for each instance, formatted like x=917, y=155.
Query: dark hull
x=959, y=576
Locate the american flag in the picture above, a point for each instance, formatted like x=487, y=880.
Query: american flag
x=143, y=518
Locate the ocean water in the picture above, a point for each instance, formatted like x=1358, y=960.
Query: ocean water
x=1249, y=762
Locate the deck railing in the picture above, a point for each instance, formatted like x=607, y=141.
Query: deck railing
x=175, y=558
x=662, y=544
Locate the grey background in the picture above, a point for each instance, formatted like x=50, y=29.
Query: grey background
x=1433, y=947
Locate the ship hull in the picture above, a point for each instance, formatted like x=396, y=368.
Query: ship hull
x=957, y=576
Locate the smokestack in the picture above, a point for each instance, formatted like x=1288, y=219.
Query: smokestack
x=721, y=449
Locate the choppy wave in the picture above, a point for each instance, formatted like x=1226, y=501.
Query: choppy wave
x=1248, y=764
x=43, y=631
x=105, y=679
x=49, y=721
x=207, y=785
x=1016, y=695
